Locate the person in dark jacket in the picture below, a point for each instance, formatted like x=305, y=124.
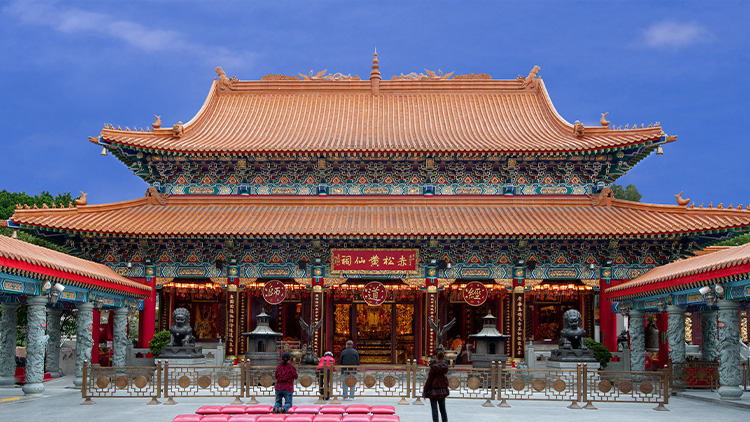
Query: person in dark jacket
x=286, y=373
x=436, y=386
x=349, y=359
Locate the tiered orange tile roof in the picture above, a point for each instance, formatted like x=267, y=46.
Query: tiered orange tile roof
x=692, y=272
x=404, y=116
x=386, y=216
x=17, y=256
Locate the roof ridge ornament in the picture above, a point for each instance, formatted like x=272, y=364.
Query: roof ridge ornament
x=81, y=200
x=177, y=129
x=157, y=123
x=431, y=75
x=578, y=129
x=224, y=81
x=155, y=197
x=530, y=81
x=375, y=74
x=680, y=200
x=603, y=121
x=330, y=77
x=603, y=198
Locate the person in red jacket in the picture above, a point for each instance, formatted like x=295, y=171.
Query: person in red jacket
x=325, y=366
x=436, y=386
x=286, y=373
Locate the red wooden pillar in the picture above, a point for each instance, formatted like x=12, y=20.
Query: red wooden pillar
x=662, y=324
x=607, y=319
x=95, y=327
x=147, y=317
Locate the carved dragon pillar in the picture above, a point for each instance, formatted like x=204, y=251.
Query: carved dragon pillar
x=120, y=336
x=729, y=350
x=84, y=341
x=676, y=333
x=710, y=347
x=54, y=328
x=36, y=343
x=637, y=342
x=8, y=329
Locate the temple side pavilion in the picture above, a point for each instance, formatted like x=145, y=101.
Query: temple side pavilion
x=701, y=300
x=47, y=282
x=374, y=205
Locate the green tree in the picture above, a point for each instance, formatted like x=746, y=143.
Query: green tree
x=736, y=240
x=628, y=193
x=160, y=340
x=8, y=201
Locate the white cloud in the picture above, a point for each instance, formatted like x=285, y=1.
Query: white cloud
x=672, y=34
x=136, y=35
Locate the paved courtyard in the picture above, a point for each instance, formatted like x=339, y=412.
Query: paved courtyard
x=61, y=401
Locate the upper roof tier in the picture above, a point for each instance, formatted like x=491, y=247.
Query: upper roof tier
x=411, y=114
x=383, y=216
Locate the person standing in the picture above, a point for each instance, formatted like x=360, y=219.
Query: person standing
x=456, y=346
x=436, y=386
x=325, y=372
x=286, y=373
x=349, y=359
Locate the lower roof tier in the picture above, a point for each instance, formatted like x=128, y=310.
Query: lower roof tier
x=384, y=216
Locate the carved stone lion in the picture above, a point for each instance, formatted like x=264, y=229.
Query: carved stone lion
x=572, y=334
x=182, y=333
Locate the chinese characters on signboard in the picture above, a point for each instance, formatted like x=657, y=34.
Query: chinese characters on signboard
x=374, y=261
x=374, y=293
x=475, y=293
x=274, y=292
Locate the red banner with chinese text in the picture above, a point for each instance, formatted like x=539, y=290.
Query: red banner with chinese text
x=374, y=261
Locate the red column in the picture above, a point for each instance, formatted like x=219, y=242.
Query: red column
x=147, y=317
x=662, y=324
x=607, y=319
x=95, y=327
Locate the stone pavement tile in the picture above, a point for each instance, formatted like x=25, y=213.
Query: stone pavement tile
x=59, y=401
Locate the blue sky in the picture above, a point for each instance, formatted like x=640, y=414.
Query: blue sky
x=66, y=68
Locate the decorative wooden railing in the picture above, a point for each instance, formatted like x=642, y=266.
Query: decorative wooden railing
x=497, y=383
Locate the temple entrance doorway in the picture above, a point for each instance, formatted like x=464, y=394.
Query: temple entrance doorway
x=382, y=334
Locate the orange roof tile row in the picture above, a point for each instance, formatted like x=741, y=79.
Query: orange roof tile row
x=723, y=259
x=404, y=216
x=19, y=250
x=405, y=117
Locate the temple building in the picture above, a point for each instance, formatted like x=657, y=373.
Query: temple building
x=374, y=205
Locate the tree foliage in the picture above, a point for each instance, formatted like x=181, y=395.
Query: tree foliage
x=735, y=240
x=628, y=193
x=8, y=201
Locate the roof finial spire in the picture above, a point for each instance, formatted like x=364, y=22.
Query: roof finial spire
x=375, y=74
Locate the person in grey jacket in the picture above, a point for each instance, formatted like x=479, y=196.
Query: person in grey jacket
x=348, y=360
